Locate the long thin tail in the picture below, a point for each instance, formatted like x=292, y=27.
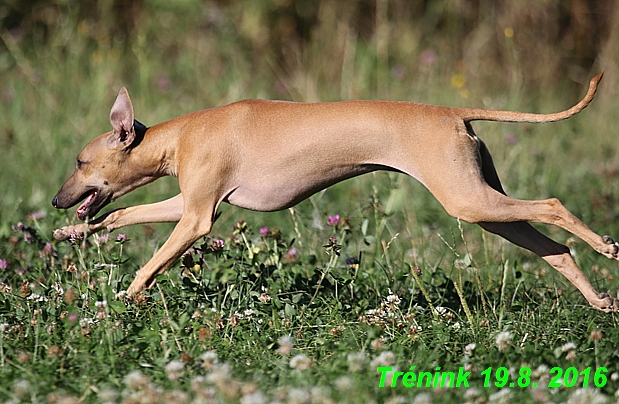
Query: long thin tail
x=478, y=114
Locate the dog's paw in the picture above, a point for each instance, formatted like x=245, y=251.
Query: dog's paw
x=606, y=303
x=70, y=232
x=611, y=248
x=135, y=288
x=62, y=234
x=141, y=283
x=139, y=298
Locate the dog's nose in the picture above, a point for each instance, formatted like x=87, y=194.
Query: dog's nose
x=55, y=202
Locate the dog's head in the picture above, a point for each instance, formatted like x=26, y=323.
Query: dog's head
x=100, y=175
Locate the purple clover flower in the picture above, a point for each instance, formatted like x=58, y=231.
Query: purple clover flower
x=76, y=237
x=291, y=255
x=103, y=238
x=47, y=251
x=333, y=220
x=217, y=244
x=37, y=215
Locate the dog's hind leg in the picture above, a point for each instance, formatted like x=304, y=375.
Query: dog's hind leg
x=557, y=255
x=501, y=208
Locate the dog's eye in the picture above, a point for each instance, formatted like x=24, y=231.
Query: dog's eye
x=79, y=163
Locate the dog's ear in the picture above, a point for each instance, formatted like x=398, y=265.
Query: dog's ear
x=121, y=118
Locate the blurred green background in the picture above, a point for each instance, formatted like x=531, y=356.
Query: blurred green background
x=62, y=63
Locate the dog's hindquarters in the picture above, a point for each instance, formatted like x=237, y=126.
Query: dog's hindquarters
x=467, y=185
x=526, y=236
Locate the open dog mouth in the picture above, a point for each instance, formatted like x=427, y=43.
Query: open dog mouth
x=93, y=198
x=84, y=209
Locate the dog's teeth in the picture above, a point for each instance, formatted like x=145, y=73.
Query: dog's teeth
x=608, y=240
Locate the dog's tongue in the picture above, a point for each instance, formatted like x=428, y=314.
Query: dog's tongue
x=83, y=209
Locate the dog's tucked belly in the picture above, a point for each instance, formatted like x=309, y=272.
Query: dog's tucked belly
x=267, y=193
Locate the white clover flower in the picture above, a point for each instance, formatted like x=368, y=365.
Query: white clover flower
x=135, y=380
x=300, y=362
x=58, y=289
x=570, y=346
x=210, y=356
x=285, y=344
x=86, y=321
x=209, y=359
x=176, y=396
x=503, y=340
x=503, y=396
x=471, y=393
x=356, y=361
x=440, y=310
x=321, y=394
x=298, y=396
x=197, y=383
x=174, y=369
x=22, y=388
x=257, y=397
x=107, y=395
x=541, y=372
x=392, y=298
x=344, y=383
x=37, y=297
x=422, y=398
x=221, y=374
x=468, y=350
x=586, y=396
x=385, y=358
x=101, y=305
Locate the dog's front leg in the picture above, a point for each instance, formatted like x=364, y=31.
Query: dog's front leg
x=170, y=210
x=186, y=232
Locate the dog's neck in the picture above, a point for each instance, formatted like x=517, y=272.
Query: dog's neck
x=148, y=156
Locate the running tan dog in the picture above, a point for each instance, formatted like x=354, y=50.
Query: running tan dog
x=270, y=155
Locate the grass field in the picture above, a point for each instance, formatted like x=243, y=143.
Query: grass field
x=325, y=302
